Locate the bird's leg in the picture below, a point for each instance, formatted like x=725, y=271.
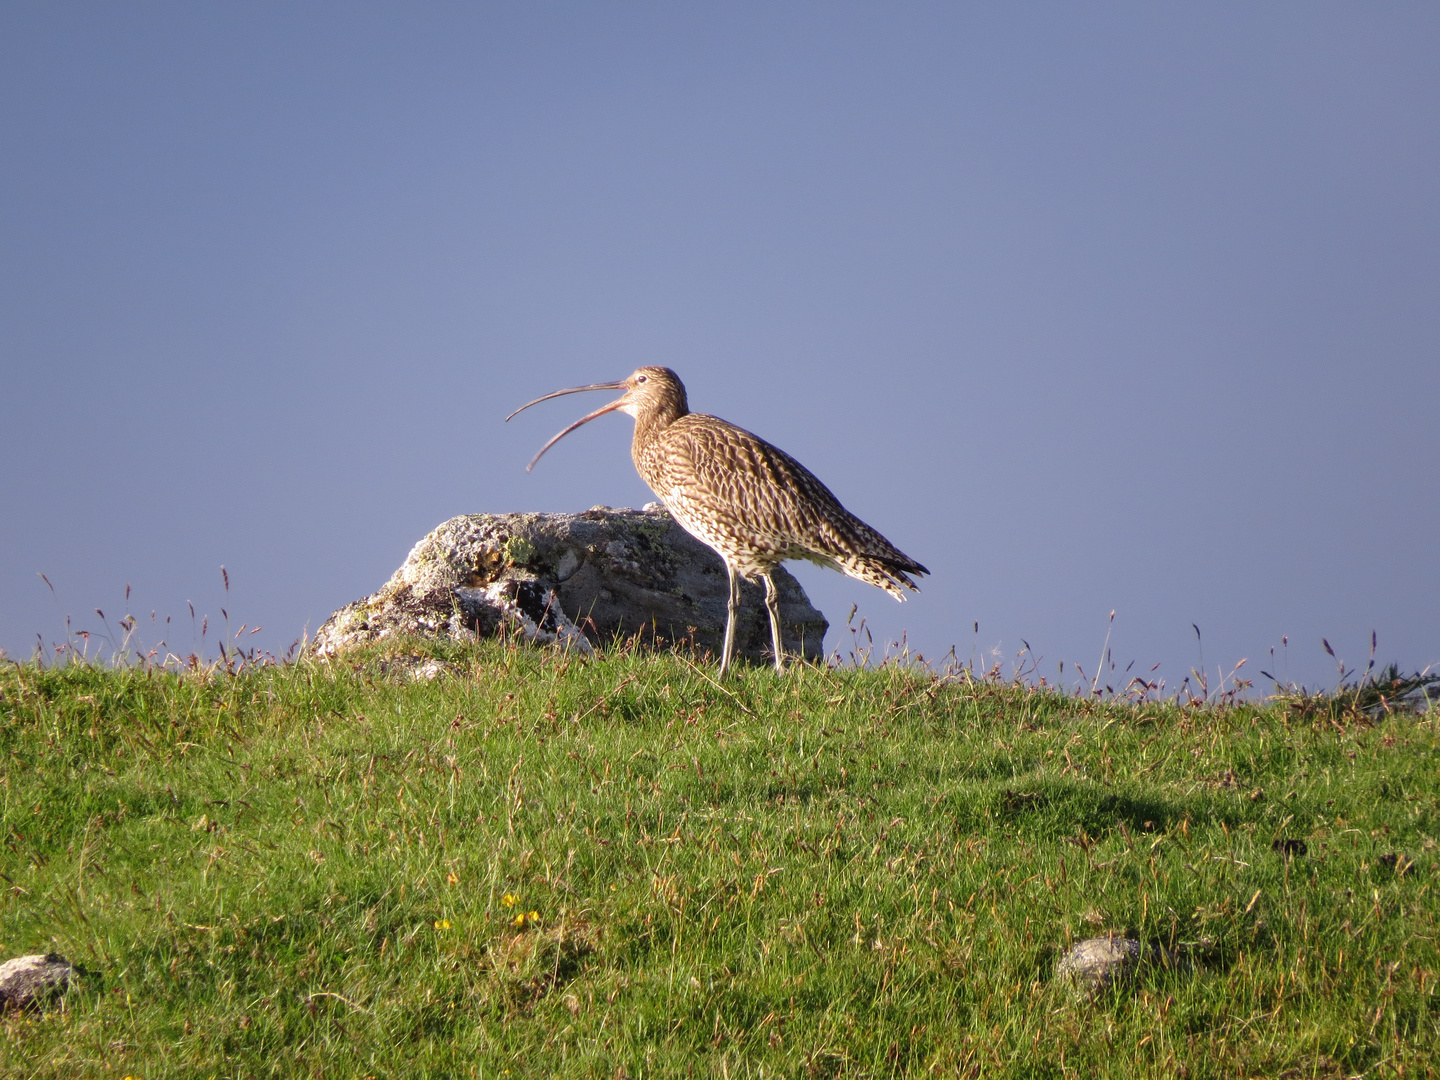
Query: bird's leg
x=772, y=605
x=734, y=614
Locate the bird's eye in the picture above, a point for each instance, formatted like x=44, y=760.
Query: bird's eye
x=640, y=378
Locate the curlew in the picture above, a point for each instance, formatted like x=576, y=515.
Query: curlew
x=754, y=504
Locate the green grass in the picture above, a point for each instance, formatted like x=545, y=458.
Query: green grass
x=312, y=870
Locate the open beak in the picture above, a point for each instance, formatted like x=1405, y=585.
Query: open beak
x=583, y=420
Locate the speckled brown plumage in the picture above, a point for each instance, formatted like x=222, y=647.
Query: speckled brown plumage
x=750, y=501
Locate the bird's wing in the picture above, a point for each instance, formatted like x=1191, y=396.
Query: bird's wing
x=751, y=485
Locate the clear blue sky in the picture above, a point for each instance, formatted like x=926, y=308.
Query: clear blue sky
x=1086, y=307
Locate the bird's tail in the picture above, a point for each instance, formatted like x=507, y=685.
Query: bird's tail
x=887, y=574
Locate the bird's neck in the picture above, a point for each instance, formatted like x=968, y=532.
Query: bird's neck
x=651, y=424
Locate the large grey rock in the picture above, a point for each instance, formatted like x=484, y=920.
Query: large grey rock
x=30, y=981
x=577, y=579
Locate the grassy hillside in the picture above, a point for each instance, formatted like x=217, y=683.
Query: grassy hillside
x=536, y=865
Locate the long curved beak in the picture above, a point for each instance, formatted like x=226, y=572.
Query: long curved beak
x=583, y=420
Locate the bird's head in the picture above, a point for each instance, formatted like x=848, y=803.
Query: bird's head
x=651, y=394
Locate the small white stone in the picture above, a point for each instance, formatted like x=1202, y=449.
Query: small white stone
x=1101, y=962
x=29, y=980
